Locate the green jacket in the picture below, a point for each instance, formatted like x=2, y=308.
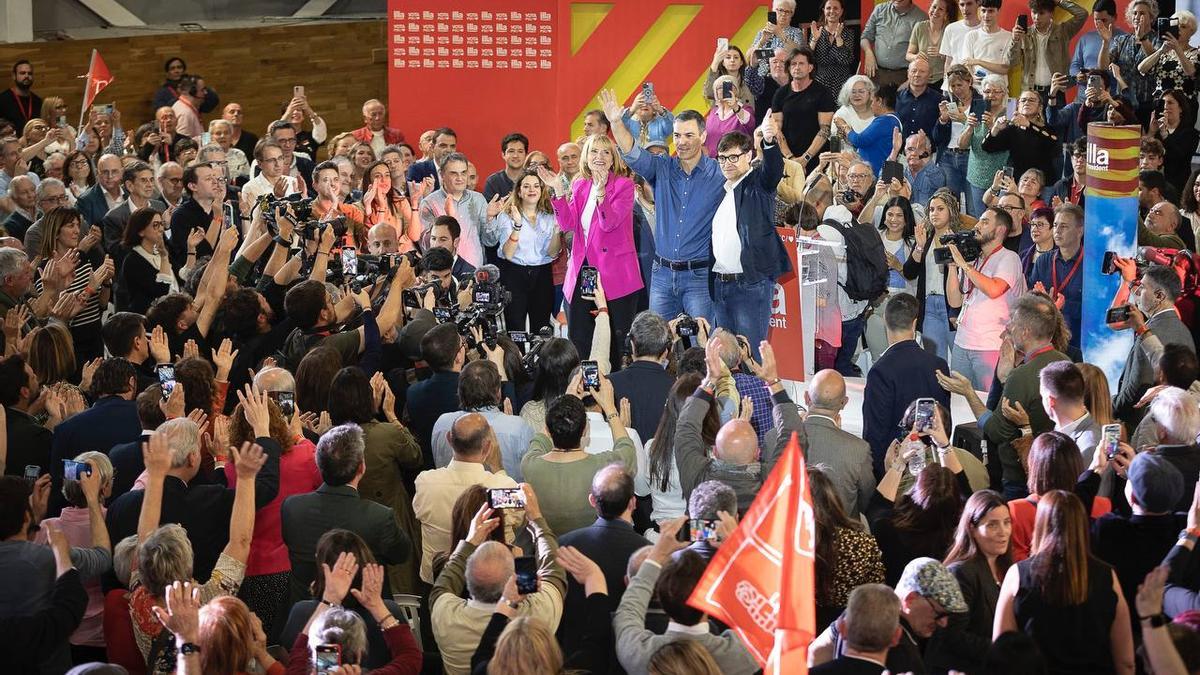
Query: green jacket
x=1022, y=387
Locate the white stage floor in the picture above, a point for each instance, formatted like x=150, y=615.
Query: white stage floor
x=960, y=412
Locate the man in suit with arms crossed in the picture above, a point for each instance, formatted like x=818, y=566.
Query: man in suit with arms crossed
x=847, y=457
x=336, y=504
x=904, y=373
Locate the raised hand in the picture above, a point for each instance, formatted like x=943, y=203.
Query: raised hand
x=256, y=408
x=339, y=578
x=482, y=524
x=248, y=461
x=608, y=103
x=182, y=613
x=156, y=454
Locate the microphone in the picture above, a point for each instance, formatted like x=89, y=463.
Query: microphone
x=487, y=274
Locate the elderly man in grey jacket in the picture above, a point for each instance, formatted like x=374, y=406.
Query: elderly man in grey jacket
x=736, y=459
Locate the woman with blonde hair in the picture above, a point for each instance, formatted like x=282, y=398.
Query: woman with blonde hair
x=1066, y=599
x=36, y=138
x=361, y=158
x=340, y=145
x=598, y=212
x=728, y=113
x=933, y=317
x=54, y=111
x=1096, y=395
x=51, y=353
x=231, y=637
x=983, y=163
x=855, y=99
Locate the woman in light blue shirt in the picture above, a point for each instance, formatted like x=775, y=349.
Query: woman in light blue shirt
x=530, y=240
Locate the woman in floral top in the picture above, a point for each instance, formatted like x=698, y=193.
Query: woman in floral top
x=781, y=34
x=846, y=555
x=1129, y=49
x=1173, y=64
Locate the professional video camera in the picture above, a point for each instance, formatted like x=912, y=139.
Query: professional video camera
x=267, y=203
x=967, y=243
x=488, y=290
x=531, y=347
x=1181, y=259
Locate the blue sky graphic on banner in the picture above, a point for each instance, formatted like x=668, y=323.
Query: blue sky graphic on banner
x=1110, y=224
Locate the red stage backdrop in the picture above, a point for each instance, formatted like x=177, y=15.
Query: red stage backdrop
x=535, y=66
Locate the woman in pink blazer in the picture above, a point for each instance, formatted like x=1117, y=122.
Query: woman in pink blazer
x=598, y=213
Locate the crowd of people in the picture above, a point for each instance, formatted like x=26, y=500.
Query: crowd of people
x=314, y=402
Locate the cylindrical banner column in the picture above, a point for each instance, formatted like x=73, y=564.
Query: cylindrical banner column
x=1110, y=224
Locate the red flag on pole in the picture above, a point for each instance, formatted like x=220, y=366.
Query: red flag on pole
x=98, y=78
x=760, y=582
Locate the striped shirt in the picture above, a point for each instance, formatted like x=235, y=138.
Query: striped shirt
x=90, y=313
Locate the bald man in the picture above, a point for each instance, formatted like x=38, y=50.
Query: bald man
x=846, y=456
x=374, y=131
x=274, y=380
x=476, y=460
x=382, y=239
x=735, y=459
x=479, y=569
x=609, y=541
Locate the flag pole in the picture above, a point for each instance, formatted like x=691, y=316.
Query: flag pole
x=87, y=86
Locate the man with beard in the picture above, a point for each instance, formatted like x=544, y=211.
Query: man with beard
x=985, y=289
x=18, y=104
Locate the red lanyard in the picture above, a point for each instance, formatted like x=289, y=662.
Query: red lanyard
x=1037, y=352
x=1054, y=272
x=27, y=114
x=978, y=268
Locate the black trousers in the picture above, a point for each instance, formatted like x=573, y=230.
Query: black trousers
x=532, y=291
x=581, y=324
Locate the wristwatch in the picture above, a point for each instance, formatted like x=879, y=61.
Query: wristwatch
x=1157, y=620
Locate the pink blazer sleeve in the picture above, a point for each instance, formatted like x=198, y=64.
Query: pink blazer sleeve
x=564, y=211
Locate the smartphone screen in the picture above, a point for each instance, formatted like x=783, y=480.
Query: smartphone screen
x=526, y=569
x=1117, y=314
x=349, y=260
x=1008, y=172
x=72, y=470
x=286, y=401
x=703, y=530
x=327, y=658
x=1110, y=439
x=205, y=139
x=1110, y=264
x=506, y=498
x=727, y=90
x=61, y=122
x=518, y=336
x=230, y=214
x=32, y=471
x=1023, y=21
x=166, y=378
x=591, y=375
x=772, y=17
x=722, y=43
x=924, y=417
x=587, y=282
x=298, y=91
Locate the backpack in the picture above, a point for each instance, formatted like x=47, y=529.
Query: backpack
x=866, y=264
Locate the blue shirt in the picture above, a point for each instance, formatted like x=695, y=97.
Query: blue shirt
x=926, y=182
x=684, y=204
x=660, y=128
x=1073, y=307
x=918, y=112
x=1087, y=51
x=533, y=243
x=874, y=143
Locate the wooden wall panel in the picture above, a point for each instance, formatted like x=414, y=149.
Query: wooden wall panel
x=340, y=64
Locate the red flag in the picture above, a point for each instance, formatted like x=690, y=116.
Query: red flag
x=98, y=78
x=760, y=582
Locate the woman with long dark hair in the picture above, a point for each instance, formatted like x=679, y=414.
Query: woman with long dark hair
x=920, y=522
x=1030, y=142
x=1053, y=463
x=1175, y=127
x=933, y=321
x=978, y=559
x=834, y=45
x=557, y=359
x=146, y=272
x=1067, y=600
x=731, y=62
x=898, y=228
x=383, y=202
x=61, y=237
x=661, y=480
x=530, y=241
x=846, y=555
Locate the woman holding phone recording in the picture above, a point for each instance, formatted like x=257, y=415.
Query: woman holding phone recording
x=598, y=212
x=530, y=241
x=727, y=114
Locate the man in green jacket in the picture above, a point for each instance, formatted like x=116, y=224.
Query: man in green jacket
x=1026, y=350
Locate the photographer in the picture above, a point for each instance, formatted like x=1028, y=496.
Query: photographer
x=1154, y=297
x=311, y=307
x=985, y=289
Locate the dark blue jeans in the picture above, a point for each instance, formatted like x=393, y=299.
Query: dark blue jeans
x=851, y=333
x=672, y=292
x=744, y=308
